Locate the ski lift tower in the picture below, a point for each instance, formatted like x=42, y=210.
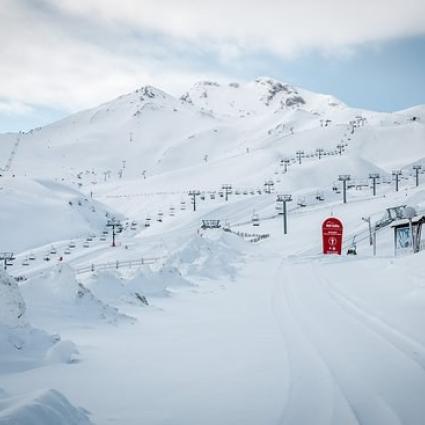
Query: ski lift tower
x=7, y=258
x=344, y=178
x=374, y=177
x=116, y=228
x=194, y=194
x=268, y=186
x=227, y=190
x=284, y=198
x=300, y=155
x=417, y=168
x=285, y=162
x=396, y=174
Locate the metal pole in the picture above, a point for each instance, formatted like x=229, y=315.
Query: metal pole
x=412, y=238
x=285, y=223
x=417, y=168
x=396, y=174
x=344, y=178
x=370, y=229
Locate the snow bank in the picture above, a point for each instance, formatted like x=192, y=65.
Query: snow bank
x=47, y=407
x=213, y=254
x=22, y=346
x=12, y=305
x=113, y=289
x=58, y=296
x=156, y=283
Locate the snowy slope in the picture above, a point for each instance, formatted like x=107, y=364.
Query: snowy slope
x=150, y=133
x=247, y=326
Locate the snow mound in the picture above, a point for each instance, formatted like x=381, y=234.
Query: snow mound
x=63, y=352
x=58, y=295
x=213, y=254
x=47, y=407
x=156, y=283
x=113, y=289
x=12, y=305
x=22, y=346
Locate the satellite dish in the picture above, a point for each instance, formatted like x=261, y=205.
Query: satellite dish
x=409, y=212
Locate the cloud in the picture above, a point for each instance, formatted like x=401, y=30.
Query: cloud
x=282, y=26
x=56, y=59
x=74, y=54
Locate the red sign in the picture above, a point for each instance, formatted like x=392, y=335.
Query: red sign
x=332, y=236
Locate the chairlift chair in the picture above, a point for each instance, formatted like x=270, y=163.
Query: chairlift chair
x=320, y=196
x=255, y=220
x=32, y=257
x=26, y=262
x=301, y=202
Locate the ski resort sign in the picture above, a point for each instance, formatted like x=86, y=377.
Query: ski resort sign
x=332, y=236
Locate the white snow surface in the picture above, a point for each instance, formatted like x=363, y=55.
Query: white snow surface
x=44, y=407
x=178, y=325
x=57, y=295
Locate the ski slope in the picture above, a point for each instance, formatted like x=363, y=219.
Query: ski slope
x=212, y=327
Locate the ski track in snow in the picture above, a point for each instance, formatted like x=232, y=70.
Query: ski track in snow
x=375, y=373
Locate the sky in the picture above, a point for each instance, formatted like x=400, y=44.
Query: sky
x=61, y=56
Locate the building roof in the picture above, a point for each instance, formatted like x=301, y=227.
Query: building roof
x=405, y=222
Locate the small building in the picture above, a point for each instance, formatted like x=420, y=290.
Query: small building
x=408, y=235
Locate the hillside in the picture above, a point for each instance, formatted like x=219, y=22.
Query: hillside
x=240, y=324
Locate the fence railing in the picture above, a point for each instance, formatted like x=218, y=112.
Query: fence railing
x=252, y=237
x=113, y=265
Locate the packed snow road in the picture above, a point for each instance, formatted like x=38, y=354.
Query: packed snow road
x=283, y=342
x=348, y=366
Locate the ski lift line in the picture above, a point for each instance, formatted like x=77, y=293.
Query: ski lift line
x=12, y=155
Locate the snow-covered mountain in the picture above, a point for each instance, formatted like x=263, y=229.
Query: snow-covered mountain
x=151, y=133
x=242, y=326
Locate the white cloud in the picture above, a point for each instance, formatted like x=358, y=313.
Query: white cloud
x=282, y=26
x=12, y=107
x=46, y=62
x=77, y=53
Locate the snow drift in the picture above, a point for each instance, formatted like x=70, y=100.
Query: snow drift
x=21, y=345
x=46, y=407
x=58, y=295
